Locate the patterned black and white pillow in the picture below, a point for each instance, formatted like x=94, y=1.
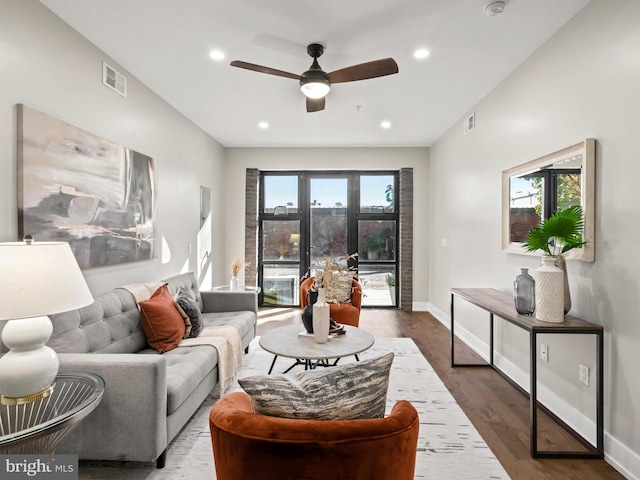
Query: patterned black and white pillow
x=345, y=392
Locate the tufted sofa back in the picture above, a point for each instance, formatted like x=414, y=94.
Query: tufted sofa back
x=187, y=281
x=111, y=324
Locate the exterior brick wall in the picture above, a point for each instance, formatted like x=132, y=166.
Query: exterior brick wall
x=405, y=264
x=251, y=225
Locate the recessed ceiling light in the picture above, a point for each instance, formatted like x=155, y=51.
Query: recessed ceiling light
x=216, y=55
x=263, y=125
x=421, y=53
x=385, y=124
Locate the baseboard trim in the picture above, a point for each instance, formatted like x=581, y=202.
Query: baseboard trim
x=439, y=315
x=420, y=306
x=616, y=453
x=621, y=457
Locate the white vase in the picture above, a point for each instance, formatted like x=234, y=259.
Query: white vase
x=562, y=265
x=234, y=284
x=549, y=292
x=321, y=318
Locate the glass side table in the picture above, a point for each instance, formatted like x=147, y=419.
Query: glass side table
x=37, y=427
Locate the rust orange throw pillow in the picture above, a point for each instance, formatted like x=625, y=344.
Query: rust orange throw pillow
x=160, y=320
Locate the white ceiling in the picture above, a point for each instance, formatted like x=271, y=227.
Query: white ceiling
x=166, y=44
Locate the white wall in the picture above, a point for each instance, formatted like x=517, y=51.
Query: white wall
x=239, y=159
x=46, y=65
x=583, y=83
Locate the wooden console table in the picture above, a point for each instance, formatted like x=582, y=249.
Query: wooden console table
x=501, y=305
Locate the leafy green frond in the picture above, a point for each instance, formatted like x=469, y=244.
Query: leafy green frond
x=563, y=229
x=537, y=240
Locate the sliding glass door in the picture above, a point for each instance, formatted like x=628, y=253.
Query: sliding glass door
x=280, y=226
x=328, y=226
x=377, y=220
x=308, y=216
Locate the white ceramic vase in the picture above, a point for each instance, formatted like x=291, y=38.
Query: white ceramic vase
x=234, y=284
x=549, y=292
x=321, y=318
x=562, y=265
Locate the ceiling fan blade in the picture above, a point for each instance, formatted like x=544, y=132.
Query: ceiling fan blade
x=363, y=71
x=261, y=69
x=315, y=104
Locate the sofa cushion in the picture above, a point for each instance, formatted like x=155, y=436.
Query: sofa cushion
x=346, y=392
x=187, y=367
x=162, y=324
x=186, y=300
x=243, y=321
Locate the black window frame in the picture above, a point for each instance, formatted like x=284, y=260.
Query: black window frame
x=354, y=215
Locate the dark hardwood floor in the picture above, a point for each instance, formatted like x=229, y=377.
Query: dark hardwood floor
x=499, y=412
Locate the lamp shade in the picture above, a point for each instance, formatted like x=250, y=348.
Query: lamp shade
x=42, y=278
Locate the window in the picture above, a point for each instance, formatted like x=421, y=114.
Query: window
x=280, y=194
x=305, y=216
x=377, y=239
x=537, y=196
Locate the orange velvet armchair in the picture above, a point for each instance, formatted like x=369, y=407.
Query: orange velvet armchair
x=345, y=313
x=259, y=447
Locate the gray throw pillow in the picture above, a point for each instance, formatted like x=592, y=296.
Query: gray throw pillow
x=345, y=392
x=185, y=299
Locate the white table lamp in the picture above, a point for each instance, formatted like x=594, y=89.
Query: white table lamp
x=38, y=279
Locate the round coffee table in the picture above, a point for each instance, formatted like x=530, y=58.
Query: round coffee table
x=293, y=341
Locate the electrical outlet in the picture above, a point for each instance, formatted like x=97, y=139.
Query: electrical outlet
x=544, y=352
x=583, y=374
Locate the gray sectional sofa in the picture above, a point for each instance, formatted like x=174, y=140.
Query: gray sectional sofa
x=148, y=397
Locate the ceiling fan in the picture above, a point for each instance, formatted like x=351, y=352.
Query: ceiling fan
x=315, y=83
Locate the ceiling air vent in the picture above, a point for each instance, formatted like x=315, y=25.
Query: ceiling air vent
x=470, y=123
x=114, y=79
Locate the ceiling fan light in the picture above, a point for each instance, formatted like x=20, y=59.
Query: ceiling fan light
x=315, y=88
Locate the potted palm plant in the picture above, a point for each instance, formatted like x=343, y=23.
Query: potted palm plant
x=555, y=236
x=374, y=243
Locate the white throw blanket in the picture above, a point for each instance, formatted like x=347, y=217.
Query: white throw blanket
x=142, y=291
x=228, y=343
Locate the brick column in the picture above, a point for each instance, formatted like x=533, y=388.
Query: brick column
x=251, y=225
x=405, y=264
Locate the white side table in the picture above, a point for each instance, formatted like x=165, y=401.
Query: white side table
x=226, y=288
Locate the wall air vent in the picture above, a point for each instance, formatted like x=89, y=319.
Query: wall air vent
x=469, y=123
x=114, y=79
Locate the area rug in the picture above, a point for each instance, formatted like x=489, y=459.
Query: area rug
x=449, y=446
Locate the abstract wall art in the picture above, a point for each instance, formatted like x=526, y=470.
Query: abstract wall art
x=76, y=187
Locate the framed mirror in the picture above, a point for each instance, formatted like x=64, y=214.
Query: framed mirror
x=535, y=190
